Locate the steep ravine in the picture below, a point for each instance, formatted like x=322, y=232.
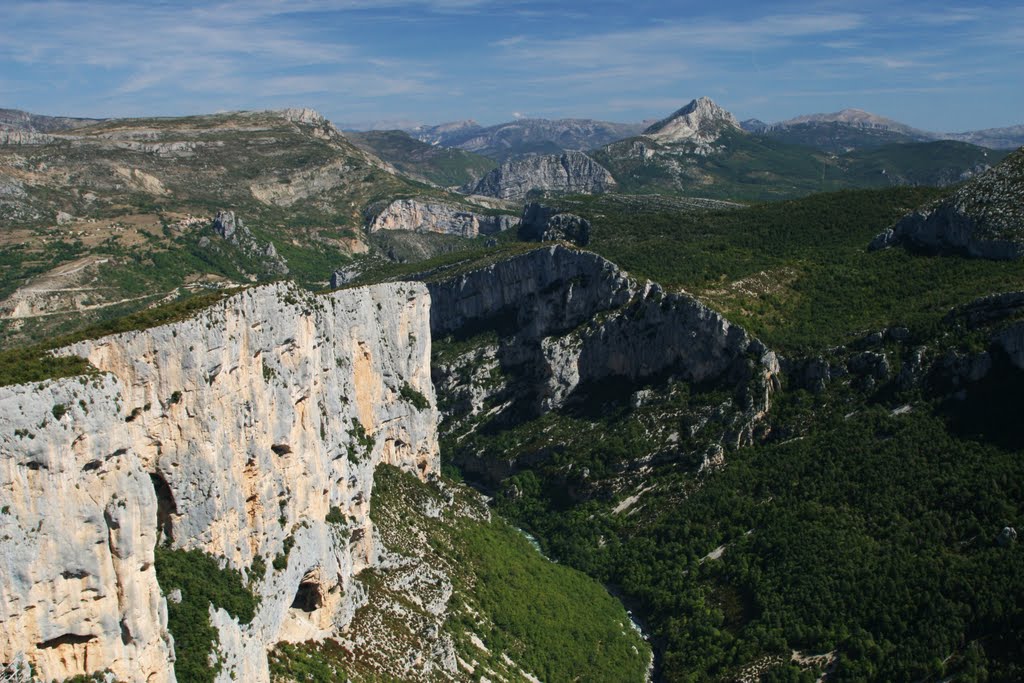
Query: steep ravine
x=237, y=432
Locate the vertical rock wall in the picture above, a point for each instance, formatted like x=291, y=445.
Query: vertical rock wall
x=235, y=432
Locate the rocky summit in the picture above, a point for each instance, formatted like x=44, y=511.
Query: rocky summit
x=700, y=121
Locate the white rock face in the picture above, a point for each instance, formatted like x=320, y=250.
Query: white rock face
x=229, y=432
x=571, y=172
x=409, y=214
x=701, y=121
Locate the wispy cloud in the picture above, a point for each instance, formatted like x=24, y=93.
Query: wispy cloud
x=451, y=59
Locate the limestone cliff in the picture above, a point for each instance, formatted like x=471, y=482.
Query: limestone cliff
x=566, y=319
x=235, y=432
x=410, y=214
x=571, y=172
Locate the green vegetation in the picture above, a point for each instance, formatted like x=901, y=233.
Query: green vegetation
x=37, y=363
x=552, y=620
x=414, y=397
x=202, y=582
x=361, y=444
x=796, y=273
x=280, y=562
x=335, y=516
x=444, y=166
x=758, y=168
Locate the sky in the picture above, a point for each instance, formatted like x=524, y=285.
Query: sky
x=934, y=65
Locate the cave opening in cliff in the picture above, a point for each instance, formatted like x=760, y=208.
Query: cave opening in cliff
x=307, y=597
x=165, y=507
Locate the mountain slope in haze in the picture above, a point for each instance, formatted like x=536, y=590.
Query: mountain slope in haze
x=443, y=166
x=1009, y=137
x=15, y=119
x=526, y=136
x=852, y=129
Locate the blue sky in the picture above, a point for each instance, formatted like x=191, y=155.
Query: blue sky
x=935, y=65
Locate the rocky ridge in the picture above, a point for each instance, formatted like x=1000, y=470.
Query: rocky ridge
x=983, y=218
x=236, y=432
x=571, y=172
x=526, y=136
x=448, y=219
x=565, y=319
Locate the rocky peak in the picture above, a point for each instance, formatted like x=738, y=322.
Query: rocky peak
x=700, y=121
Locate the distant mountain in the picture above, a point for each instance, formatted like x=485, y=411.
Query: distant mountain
x=15, y=119
x=701, y=121
x=444, y=166
x=983, y=218
x=754, y=125
x=855, y=118
x=701, y=150
x=851, y=129
x=526, y=136
x=1010, y=137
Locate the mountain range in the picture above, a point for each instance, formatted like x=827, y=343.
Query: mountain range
x=840, y=131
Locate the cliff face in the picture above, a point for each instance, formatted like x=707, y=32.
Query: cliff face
x=566, y=319
x=572, y=172
x=235, y=432
x=409, y=214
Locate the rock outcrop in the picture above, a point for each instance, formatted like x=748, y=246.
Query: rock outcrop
x=984, y=218
x=701, y=121
x=236, y=432
x=410, y=214
x=572, y=172
x=568, y=318
x=232, y=229
x=547, y=224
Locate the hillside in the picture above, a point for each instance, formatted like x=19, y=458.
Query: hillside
x=443, y=166
x=117, y=215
